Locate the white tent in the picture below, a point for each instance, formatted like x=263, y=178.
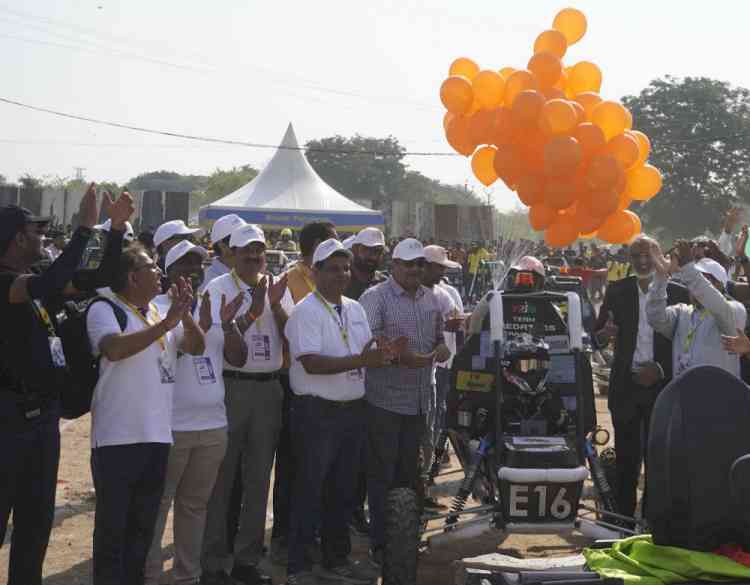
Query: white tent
x=289, y=193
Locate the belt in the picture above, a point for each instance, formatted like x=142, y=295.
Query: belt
x=340, y=403
x=255, y=377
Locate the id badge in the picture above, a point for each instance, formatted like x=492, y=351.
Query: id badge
x=354, y=376
x=261, y=347
x=204, y=371
x=56, y=351
x=166, y=369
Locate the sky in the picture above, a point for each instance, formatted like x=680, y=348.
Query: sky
x=243, y=69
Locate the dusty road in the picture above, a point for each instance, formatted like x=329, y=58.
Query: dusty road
x=69, y=556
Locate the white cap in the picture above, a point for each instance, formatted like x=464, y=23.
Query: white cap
x=225, y=225
x=529, y=264
x=438, y=255
x=370, y=237
x=348, y=242
x=328, y=248
x=408, y=249
x=170, y=229
x=107, y=225
x=712, y=267
x=178, y=251
x=247, y=234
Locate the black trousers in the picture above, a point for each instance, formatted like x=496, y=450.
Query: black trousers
x=631, y=445
x=392, y=461
x=29, y=459
x=129, y=481
x=283, y=467
x=327, y=439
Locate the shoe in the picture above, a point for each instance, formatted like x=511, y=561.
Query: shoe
x=351, y=572
x=250, y=575
x=303, y=578
x=279, y=551
x=430, y=503
x=359, y=524
x=216, y=578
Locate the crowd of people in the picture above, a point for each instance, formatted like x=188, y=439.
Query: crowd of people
x=212, y=371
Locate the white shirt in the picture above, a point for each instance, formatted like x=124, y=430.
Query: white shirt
x=216, y=269
x=314, y=330
x=198, y=399
x=644, y=344
x=263, y=338
x=131, y=404
x=450, y=337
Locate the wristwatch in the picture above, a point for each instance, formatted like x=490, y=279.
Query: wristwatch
x=742, y=258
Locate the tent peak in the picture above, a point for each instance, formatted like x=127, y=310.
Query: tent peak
x=290, y=138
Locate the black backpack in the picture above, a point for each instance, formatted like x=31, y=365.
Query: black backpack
x=83, y=366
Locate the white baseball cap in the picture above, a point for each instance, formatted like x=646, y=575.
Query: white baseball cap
x=178, y=251
x=107, y=225
x=438, y=255
x=370, y=237
x=712, y=267
x=224, y=226
x=247, y=234
x=328, y=248
x=170, y=229
x=408, y=249
x=348, y=242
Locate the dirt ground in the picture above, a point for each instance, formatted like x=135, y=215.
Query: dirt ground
x=68, y=559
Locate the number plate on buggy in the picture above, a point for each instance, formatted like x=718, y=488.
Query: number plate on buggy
x=543, y=502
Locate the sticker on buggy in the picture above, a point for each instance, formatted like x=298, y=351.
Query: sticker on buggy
x=474, y=381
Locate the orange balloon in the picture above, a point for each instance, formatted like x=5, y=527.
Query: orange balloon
x=599, y=202
x=624, y=201
x=517, y=82
x=580, y=112
x=584, y=77
x=618, y=228
x=527, y=108
x=612, y=117
x=541, y=216
x=562, y=154
x=560, y=193
x=629, y=122
x=474, y=108
x=605, y=172
x=643, y=182
x=457, y=134
x=591, y=138
x=457, y=94
x=531, y=143
x=558, y=117
x=546, y=67
x=489, y=88
x=508, y=165
x=588, y=100
x=637, y=226
x=571, y=23
x=506, y=72
x=502, y=127
x=481, y=126
x=530, y=189
x=552, y=93
x=644, y=146
x=562, y=83
x=551, y=41
x=464, y=66
x=561, y=234
x=588, y=236
x=585, y=221
x=447, y=117
x=482, y=163
x=625, y=149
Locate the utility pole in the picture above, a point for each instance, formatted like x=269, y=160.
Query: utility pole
x=79, y=173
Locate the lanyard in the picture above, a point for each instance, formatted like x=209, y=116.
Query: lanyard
x=687, y=344
x=44, y=316
x=154, y=313
x=310, y=284
x=338, y=319
x=238, y=284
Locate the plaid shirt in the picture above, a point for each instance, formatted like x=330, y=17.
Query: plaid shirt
x=393, y=313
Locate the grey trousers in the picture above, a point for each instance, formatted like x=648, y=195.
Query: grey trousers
x=254, y=415
x=194, y=461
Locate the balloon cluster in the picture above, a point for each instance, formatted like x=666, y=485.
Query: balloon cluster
x=570, y=156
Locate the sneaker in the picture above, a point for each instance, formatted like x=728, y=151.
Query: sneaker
x=302, y=578
x=359, y=524
x=279, y=551
x=352, y=572
x=250, y=575
x=216, y=578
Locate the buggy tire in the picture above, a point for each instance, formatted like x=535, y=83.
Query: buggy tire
x=402, y=535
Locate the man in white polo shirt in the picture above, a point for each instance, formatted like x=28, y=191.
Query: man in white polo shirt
x=199, y=420
x=253, y=400
x=131, y=428
x=330, y=346
x=169, y=234
x=222, y=261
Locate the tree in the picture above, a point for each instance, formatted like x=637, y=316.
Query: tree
x=167, y=181
x=222, y=183
x=30, y=182
x=701, y=142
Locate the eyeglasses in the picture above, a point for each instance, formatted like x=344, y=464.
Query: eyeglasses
x=418, y=263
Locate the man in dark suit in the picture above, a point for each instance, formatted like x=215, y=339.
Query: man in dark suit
x=642, y=366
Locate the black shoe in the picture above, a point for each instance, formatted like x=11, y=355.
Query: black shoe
x=359, y=524
x=430, y=503
x=216, y=578
x=250, y=575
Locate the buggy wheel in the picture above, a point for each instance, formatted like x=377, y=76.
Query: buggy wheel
x=402, y=536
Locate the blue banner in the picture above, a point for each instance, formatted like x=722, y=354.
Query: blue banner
x=292, y=218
